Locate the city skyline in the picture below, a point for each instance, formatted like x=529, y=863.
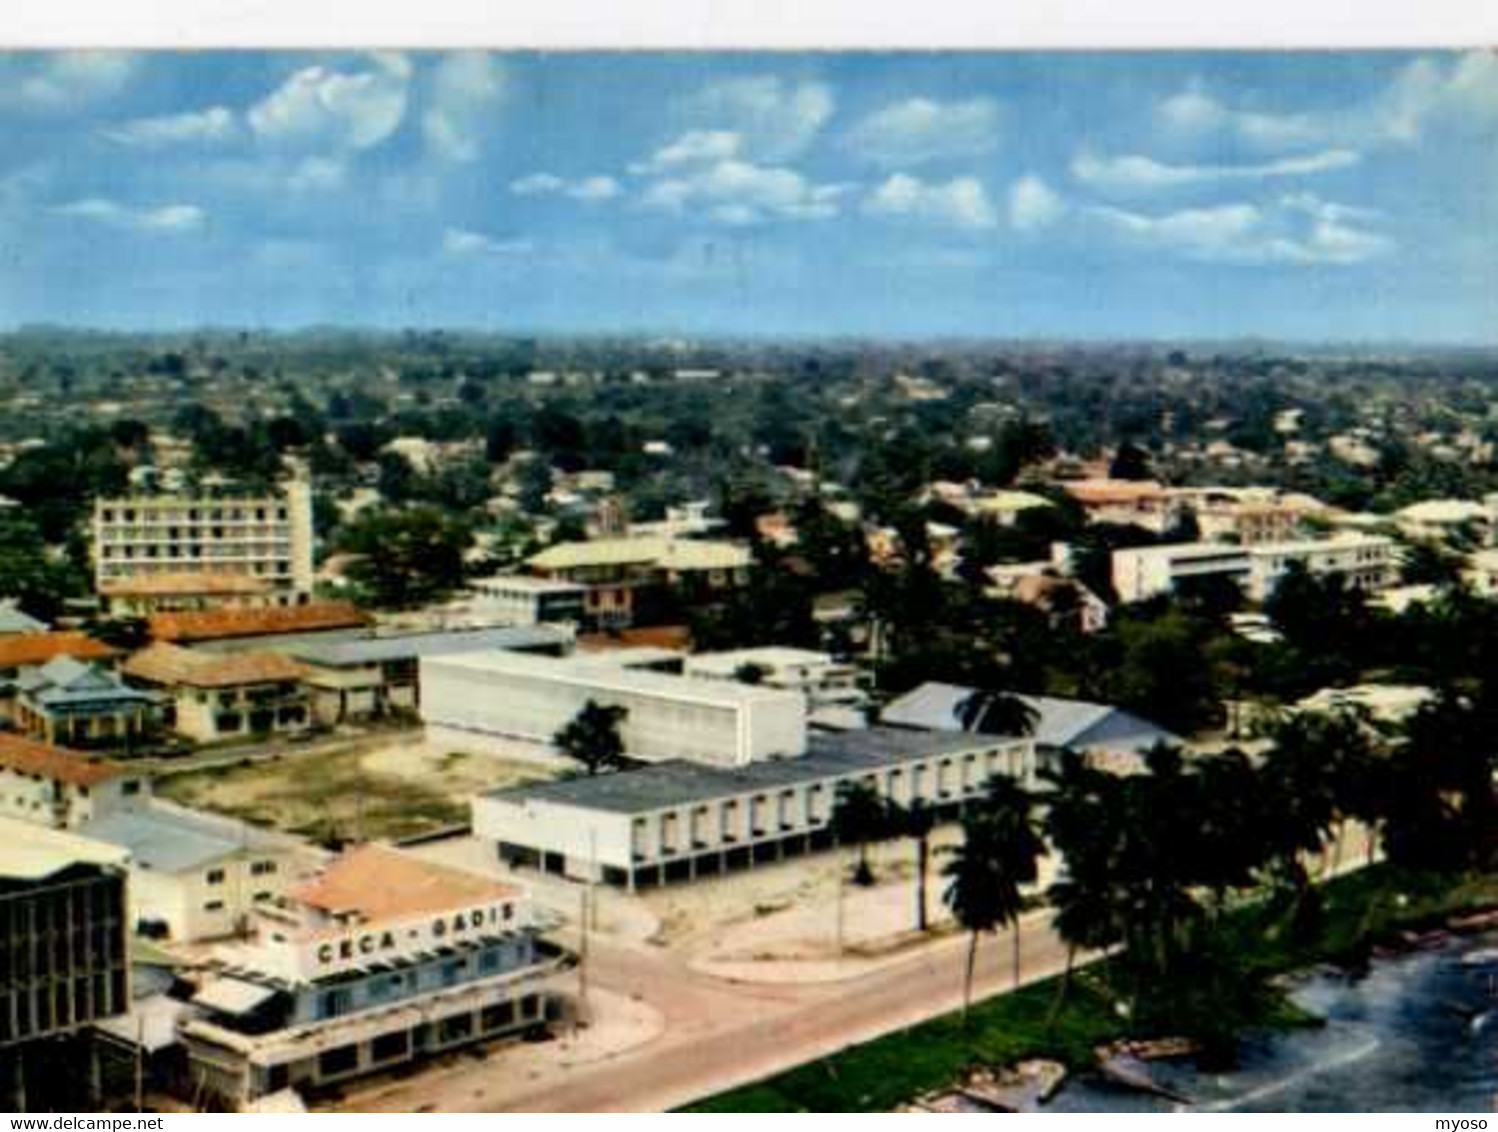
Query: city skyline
x=1318, y=195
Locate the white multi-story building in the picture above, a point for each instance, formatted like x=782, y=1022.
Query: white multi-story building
x=520, y=599
x=1367, y=562
x=167, y=552
x=827, y=684
x=526, y=699
x=379, y=961
x=677, y=820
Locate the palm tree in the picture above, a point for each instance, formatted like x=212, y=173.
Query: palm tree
x=916, y=821
x=996, y=713
x=1000, y=853
x=592, y=737
x=860, y=816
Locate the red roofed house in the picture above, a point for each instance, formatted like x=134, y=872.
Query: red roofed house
x=189, y=626
x=56, y=787
x=218, y=696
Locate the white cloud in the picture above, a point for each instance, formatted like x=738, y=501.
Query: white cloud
x=316, y=174
x=466, y=88
x=215, y=124
x=774, y=118
x=1457, y=88
x=918, y=130
x=466, y=242
x=694, y=147
x=740, y=192
x=1135, y=171
x=961, y=202
x=64, y=80
x=587, y=189
x=168, y=218
x=325, y=109
x=1297, y=229
x=1033, y=204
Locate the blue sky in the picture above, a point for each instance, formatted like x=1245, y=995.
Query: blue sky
x=1172, y=195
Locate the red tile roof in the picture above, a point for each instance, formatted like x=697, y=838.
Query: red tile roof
x=24, y=649
x=26, y=756
x=168, y=664
x=379, y=882
x=220, y=624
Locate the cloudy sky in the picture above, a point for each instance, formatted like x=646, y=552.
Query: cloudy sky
x=1311, y=195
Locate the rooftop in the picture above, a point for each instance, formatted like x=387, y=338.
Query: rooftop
x=15, y=620
x=219, y=624
x=525, y=583
x=617, y=678
x=677, y=782
x=660, y=550
x=1058, y=722
x=409, y=646
x=35, y=852
x=378, y=882
x=26, y=756
x=164, y=663
x=25, y=649
x=172, y=839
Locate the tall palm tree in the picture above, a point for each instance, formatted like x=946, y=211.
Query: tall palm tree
x=999, y=854
x=860, y=816
x=996, y=713
x=916, y=821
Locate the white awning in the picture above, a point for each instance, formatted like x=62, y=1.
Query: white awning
x=233, y=996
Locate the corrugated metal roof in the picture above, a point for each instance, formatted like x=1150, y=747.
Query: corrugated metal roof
x=170, y=839
x=1059, y=722
x=409, y=646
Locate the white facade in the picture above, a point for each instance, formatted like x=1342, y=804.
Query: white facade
x=1366, y=561
x=519, y=599
x=61, y=804
x=265, y=540
x=824, y=681
x=679, y=822
x=531, y=698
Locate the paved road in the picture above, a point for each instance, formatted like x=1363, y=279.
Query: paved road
x=719, y=1033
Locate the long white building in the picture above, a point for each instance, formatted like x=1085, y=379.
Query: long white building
x=525, y=699
x=1368, y=562
x=677, y=821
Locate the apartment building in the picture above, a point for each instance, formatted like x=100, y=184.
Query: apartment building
x=1367, y=562
x=642, y=580
x=64, y=958
x=155, y=553
x=214, y=697
x=520, y=599
x=678, y=820
x=381, y=960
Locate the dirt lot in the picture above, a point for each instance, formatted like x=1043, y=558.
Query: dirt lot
x=384, y=790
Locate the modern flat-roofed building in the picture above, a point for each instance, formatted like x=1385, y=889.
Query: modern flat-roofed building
x=64, y=953
x=154, y=553
x=196, y=875
x=680, y=820
x=381, y=960
x=1368, y=562
x=829, y=685
x=511, y=698
x=522, y=599
x=371, y=677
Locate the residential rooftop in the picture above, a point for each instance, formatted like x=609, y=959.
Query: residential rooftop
x=170, y=839
x=26, y=649
x=221, y=624
x=169, y=664
x=410, y=646
x=668, y=552
x=58, y=764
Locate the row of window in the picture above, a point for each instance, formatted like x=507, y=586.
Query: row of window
x=191, y=514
